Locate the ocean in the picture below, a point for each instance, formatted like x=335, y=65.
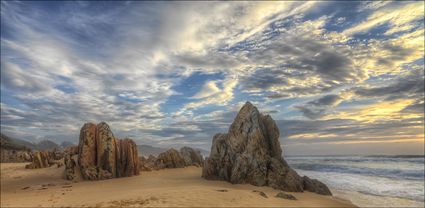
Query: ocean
x=368, y=181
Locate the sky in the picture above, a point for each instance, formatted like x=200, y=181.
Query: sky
x=337, y=77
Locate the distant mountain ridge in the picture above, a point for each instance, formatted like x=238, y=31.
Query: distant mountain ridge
x=18, y=144
x=146, y=150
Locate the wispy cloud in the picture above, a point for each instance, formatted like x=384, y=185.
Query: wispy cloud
x=175, y=73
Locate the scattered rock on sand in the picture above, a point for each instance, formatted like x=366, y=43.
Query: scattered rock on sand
x=316, y=186
x=250, y=153
x=261, y=193
x=285, y=196
x=222, y=190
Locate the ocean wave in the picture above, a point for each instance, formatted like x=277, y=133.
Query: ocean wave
x=372, y=185
x=409, y=169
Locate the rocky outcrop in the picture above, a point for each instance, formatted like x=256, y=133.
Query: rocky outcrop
x=127, y=158
x=87, y=151
x=250, y=153
x=316, y=186
x=191, y=157
x=172, y=159
x=40, y=160
x=147, y=164
x=100, y=155
x=169, y=159
x=15, y=156
x=72, y=169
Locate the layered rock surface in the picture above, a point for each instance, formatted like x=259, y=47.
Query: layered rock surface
x=250, y=153
x=100, y=155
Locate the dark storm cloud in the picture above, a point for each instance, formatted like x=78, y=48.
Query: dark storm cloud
x=317, y=108
x=397, y=53
x=295, y=59
x=410, y=86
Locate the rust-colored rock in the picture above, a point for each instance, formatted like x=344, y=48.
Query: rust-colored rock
x=100, y=155
x=106, y=151
x=40, y=160
x=87, y=151
x=127, y=160
x=250, y=153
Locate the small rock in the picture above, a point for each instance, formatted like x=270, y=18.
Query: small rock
x=261, y=193
x=26, y=187
x=285, y=196
x=222, y=190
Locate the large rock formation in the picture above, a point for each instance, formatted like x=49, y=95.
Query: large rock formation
x=100, y=155
x=127, y=158
x=250, y=153
x=169, y=159
x=191, y=157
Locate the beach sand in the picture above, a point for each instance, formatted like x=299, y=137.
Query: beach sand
x=182, y=187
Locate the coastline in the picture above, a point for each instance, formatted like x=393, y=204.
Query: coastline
x=181, y=187
x=367, y=200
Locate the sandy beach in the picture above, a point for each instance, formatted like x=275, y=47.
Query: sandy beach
x=182, y=187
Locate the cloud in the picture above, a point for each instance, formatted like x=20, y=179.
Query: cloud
x=219, y=97
x=209, y=89
x=399, y=17
x=317, y=108
x=408, y=86
x=140, y=67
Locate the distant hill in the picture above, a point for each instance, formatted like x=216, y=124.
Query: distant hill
x=66, y=144
x=146, y=150
x=204, y=153
x=46, y=145
x=14, y=144
x=18, y=144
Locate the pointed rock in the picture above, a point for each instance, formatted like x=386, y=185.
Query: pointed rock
x=250, y=153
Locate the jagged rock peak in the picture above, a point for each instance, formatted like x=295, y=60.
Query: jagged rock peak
x=250, y=153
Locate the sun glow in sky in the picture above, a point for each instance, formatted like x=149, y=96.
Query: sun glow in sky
x=337, y=77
